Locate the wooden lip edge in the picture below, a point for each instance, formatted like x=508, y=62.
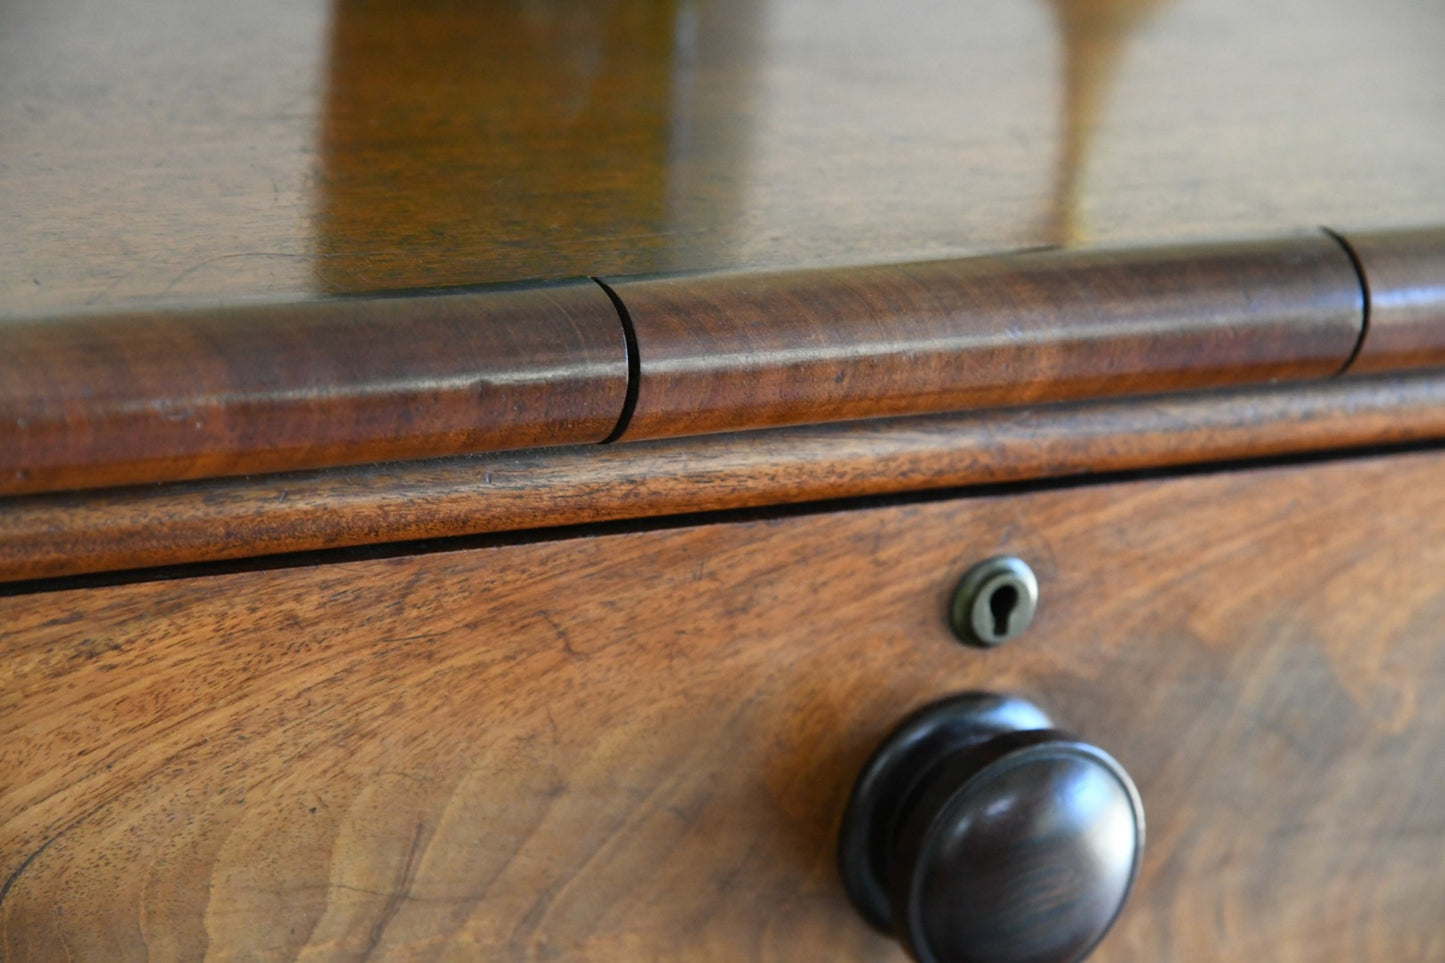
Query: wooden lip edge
x=95, y=401
x=56, y=535
x=209, y=466
x=730, y=352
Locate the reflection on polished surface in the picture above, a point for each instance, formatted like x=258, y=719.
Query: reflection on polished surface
x=1093, y=34
x=154, y=150
x=506, y=137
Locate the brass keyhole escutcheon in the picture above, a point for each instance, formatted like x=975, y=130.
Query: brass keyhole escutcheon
x=995, y=601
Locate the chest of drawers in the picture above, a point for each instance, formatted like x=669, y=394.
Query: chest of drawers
x=478, y=484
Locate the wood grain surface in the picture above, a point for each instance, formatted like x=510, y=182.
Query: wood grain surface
x=184, y=193
x=1404, y=278
x=103, y=400
x=188, y=152
x=62, y=534
x=638, y=746
x=736, y=351
x=89, y=401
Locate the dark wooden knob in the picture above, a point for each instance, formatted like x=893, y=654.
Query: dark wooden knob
x=979, y=831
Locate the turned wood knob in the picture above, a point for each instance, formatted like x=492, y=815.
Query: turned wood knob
x=978, y=831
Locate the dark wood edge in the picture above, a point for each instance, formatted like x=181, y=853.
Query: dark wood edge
x=54, y=535
x=730, y=352
x=96, y=402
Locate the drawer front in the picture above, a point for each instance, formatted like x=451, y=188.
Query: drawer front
x=639, y=745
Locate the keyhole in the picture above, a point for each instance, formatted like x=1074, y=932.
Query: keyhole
x=1001, y=606
x=994, y=602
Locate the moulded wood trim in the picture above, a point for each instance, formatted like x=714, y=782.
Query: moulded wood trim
x=165, y=396
x=734, y=351
x=88, y=401
x=74, y=533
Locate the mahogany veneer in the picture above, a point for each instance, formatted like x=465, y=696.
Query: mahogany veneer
x=244, y=238
x=745, y=351
x=283, y=149
x=100, y=400
x=89, y=401
x=638, y=746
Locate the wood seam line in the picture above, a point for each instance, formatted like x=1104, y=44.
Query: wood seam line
x=634, y=372
x=1364, y=283
x=1402, y=272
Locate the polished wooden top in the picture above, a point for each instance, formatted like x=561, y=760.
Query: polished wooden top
x=158, y=151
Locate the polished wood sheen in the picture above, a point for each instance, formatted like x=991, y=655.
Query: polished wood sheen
x=157, y=202
x=96, y=400
x=1404, y=277
x=91, y=401
x=729, y=352
x=315, y=237
x=157, y=151
x=639, y=746
x=75, y=533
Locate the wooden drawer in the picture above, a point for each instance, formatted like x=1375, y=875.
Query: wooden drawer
x=638, y=745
